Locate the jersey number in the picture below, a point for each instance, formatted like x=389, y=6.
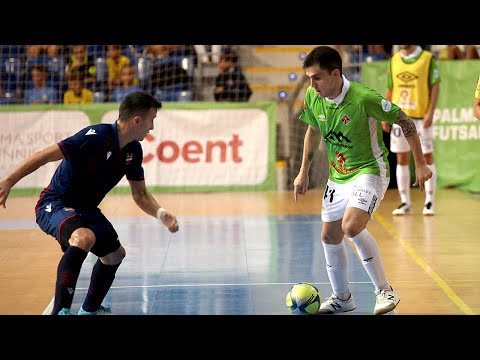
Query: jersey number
x=328, y=193
x=397, y=131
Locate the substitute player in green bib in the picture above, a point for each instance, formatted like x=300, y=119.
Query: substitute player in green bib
x=413, y=83
x=348, y=115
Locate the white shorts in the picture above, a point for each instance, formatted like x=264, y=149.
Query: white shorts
x=399, y=144
x=365, y=192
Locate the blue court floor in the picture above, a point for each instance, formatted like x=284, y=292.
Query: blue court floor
x=227, y=265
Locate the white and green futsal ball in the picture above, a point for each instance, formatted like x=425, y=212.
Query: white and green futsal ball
x=303, y=299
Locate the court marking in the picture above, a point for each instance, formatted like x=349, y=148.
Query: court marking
x=426, y=268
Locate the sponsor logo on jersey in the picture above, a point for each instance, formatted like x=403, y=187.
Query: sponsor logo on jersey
x=340, y=167
x=346, y=119
x=340, y=158
x=332, y=135
x=407, y=76
x=343, y=170
x=129, y=158
x=386, y=105
x=91, y=132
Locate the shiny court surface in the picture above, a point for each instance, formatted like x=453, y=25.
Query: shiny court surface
x=239, y=254
x=221, y=265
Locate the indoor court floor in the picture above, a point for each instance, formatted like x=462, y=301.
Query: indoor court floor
x=240, y=253
x=219, y=265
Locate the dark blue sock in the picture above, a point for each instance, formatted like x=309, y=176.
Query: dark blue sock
x=67, y=276
x=100, y=282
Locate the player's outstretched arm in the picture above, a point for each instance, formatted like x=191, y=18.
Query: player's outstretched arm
x=310, y=145
x=28, y=166
x=422, y=171
x=145, y=201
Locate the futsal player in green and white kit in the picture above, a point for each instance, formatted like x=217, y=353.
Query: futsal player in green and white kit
x=348, y=115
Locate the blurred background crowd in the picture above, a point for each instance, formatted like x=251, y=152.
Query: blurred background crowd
x=76, y=74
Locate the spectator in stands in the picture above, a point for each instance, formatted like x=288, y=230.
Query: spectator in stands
x=476, y=101
x=378, y=52
x=354, y=55
x=230, y=83
x=458, y=52
x=38, y=50
x=168, y=73
x=76, y=93
x=204, y=56
x=471, y=52
x=116, y=61
x=40, y=93
x=159, y=52
x=454, y=52
x=128, y=84
x=361, y=53
x=80, y=61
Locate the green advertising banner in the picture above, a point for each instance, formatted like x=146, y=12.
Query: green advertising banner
x=456, y=130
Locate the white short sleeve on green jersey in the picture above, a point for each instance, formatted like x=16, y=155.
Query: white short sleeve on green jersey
x=352, y=131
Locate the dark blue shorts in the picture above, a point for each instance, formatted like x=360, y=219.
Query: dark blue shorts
x=59, y=220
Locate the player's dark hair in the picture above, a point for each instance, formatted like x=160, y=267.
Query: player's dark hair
x=324, y=56
x=138, y=102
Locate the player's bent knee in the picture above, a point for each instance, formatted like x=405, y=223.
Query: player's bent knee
x=115, y=257
x=352, y=226
x=83, y=238
x=353, y=229
x=68, y=227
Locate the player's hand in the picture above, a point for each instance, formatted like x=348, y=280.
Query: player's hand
x=427, y=121
x=422, y=173
x=300, y=186
x=170, y=221
x=4, y=191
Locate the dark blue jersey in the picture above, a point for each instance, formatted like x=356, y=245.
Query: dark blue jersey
x=93, y=165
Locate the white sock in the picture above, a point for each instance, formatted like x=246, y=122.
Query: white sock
x=337, y=268
x=431, y=185
x=368, y=251
x=403, y=183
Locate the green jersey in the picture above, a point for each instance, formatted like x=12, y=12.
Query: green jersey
x=352, y=130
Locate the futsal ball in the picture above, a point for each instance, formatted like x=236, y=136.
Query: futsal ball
x=303, y=299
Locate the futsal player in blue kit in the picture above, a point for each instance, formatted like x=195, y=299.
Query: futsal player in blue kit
x=94, y=160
